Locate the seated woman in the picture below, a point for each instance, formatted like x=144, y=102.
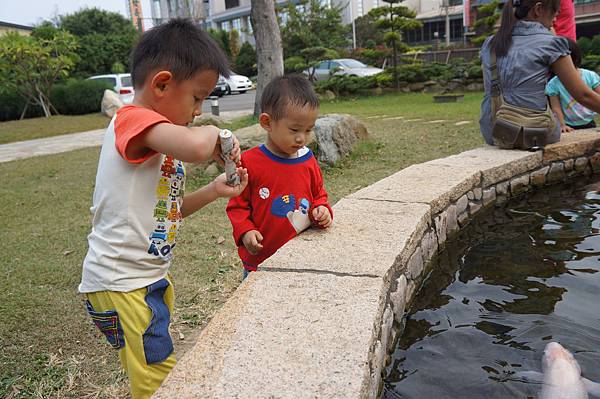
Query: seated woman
x=526, y=53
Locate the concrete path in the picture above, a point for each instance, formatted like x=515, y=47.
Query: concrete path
x=50, y=145
x=69, y=142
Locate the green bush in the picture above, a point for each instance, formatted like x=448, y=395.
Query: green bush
x=346, y=85
x=294, y=64
x=12, y=105
x=408, y=73
x=591, y=62
x=245, y=62
x=76, y=97
x=589, y=46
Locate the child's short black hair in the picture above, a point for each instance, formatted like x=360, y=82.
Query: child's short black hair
x=178, y=46
x=575, y=52
x=291, y=90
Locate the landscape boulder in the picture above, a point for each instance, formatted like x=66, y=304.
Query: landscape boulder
x=336, y=135
x=110, y=103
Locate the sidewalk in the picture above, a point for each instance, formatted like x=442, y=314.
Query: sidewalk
x=69, y=142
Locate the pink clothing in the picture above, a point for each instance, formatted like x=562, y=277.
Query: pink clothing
x=564, y=25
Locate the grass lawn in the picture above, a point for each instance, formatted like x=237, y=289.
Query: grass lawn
x=36, y=128
x=50, y=347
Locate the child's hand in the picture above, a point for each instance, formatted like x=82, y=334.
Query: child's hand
x=234, y=156
x=566, y=129
x=224, y=190
x=252, y=241
x=322, y=216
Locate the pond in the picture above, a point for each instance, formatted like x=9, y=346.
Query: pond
x=519, y=276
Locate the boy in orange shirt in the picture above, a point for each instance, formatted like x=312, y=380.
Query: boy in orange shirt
x=139, y=200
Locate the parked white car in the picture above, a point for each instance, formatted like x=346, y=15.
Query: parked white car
x=237, y=83
x=343, y=66
x=122, y=84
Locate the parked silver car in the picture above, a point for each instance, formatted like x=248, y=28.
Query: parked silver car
x=343, y=66
x=122, y=84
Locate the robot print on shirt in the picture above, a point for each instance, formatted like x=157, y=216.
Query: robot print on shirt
x=284, y=206
x=167, y=211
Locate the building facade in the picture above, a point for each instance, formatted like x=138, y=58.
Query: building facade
x=197, y=10
x=6, y=27
x=587, y=17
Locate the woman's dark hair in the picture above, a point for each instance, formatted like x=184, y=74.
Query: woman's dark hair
x=513, y=11
x=575, y=52
x=180, y=47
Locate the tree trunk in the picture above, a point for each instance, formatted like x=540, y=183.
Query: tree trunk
x=396, y=65
x=24, y=110
x=269, y=53
x=44, y=105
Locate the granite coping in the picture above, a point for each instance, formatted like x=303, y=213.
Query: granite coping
x=342, y=249
x=279, y=336
x=572, y=145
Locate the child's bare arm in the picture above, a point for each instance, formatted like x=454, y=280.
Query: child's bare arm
x=571, y=79
x=195, y=144
x=213, y=190
x=555, y=105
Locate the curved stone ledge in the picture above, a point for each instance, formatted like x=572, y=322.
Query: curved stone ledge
x=318, y=319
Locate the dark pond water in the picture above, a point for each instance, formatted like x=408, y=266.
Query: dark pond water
x=518, y=277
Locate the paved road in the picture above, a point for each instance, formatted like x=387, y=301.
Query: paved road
x=232, y=102
x=92, y=138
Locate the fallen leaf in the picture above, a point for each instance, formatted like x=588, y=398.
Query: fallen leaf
x=220, y=240
x=181, y=336
x=67, y=252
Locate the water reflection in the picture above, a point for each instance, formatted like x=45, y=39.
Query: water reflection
x=517, y=277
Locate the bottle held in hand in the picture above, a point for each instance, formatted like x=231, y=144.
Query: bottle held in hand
x=226, y=138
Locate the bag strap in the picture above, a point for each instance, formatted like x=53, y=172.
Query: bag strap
x=496, y=89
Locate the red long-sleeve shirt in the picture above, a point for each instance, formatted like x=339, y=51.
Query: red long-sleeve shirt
x=278, y=201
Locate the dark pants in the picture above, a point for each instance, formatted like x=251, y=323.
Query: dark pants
x=590, y=125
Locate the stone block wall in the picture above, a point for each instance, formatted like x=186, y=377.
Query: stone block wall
x=320, y=317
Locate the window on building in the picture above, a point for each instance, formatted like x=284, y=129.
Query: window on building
x=232, y=3
x=237, y=24
x=283, y=17
x=249, y=25
x=156, y=9
x=226, y=26
x=456, y=29
x=359, y=8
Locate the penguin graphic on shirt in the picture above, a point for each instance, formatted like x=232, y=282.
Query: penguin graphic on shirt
x=285, y=206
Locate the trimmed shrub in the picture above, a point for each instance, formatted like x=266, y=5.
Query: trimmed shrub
x=12, y=104
x=74, y=97
x=245, y=62
x=77, y=97
x=346, y=85
x=591, y=62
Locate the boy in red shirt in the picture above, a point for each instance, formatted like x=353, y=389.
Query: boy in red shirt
x=285, y=192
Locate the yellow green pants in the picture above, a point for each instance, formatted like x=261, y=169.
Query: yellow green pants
x=137, y=323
